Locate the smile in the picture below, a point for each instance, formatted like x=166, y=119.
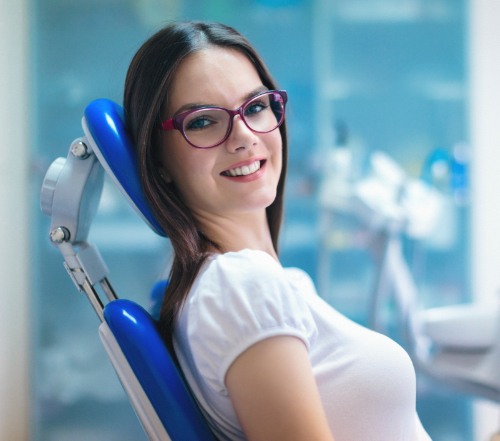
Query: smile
x=244, y=170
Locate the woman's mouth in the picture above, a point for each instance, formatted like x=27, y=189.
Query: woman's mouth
x=245, y=170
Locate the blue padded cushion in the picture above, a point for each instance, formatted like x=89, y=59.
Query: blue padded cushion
x=105, y=121
x=156, y=298
x=136, y=333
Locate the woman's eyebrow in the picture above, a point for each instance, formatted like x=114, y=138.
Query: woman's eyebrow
x=254, y=92
x=193, y=106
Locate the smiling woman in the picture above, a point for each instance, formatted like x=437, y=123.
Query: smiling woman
x=200, y=177
x=266, y=358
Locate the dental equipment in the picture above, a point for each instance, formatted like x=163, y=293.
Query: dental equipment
x=456, y=344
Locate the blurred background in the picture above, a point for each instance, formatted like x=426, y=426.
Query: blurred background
x=414, y=82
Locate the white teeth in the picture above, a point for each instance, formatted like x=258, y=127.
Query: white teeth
x=245, y=170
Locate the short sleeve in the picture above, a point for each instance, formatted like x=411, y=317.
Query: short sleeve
x=238, y=300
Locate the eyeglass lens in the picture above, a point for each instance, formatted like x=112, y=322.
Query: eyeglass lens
x=210, y=126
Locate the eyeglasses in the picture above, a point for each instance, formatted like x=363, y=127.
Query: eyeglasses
x=210, y=126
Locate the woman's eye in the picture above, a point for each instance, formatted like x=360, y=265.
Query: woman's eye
x=254, y=108
x=199, y=123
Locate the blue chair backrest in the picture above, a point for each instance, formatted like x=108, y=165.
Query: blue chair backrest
x=136, y=333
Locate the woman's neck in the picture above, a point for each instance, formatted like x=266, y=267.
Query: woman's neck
x=238, y=232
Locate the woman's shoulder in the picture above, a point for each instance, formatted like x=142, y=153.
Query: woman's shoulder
x=243, y=268
x=254, y=284
x=253, y=267
x=239, y=299
x=247, y=255
x=243, y=261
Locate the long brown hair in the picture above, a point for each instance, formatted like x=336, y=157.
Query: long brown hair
x=147, y=88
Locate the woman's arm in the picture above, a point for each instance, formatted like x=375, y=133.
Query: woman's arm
x=273, y=390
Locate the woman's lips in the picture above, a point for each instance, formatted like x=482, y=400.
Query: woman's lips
x=243, y=170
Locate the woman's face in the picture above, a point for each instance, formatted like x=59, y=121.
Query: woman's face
x=205, y=178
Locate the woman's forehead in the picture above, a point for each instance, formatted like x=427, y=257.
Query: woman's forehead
x=213, y=76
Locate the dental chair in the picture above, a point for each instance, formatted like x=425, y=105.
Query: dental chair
x=70, y=196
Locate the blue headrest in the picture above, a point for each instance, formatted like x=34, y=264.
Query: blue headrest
x=104, y=126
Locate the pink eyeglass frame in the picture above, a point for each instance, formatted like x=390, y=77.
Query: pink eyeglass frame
x=176, y=122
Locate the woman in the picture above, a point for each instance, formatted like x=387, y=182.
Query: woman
x=266, y=358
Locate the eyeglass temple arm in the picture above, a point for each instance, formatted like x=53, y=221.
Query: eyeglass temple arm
x=168, y=124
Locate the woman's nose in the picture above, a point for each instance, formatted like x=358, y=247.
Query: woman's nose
x=241, y=136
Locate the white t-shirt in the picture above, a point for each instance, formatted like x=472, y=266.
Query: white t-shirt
x=366, y=380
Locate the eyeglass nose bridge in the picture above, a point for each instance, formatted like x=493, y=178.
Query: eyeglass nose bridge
x=230, y=124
